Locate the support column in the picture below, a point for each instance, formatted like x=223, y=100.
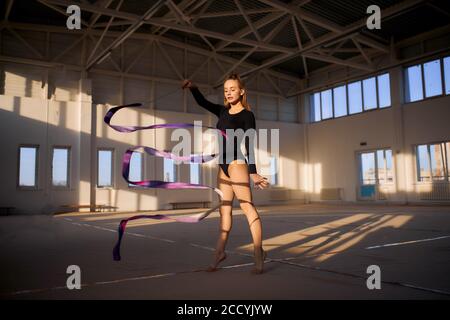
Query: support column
x=399, y=149
x=87, y=155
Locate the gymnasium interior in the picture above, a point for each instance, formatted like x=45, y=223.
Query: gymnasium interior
x=352, y=107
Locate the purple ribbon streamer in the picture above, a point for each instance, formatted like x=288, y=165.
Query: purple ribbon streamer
x=158, y=183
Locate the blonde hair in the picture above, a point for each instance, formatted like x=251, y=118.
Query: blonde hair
x=243, y=98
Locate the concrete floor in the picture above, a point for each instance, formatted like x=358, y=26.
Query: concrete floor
x=314, y=252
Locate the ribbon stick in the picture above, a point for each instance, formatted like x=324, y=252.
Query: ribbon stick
x=158, y=183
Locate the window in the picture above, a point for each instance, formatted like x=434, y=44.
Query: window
x=368, y=168
x=370, y=94
x=433, y=80
x=447, y=74
x=437, y=162
x=423, y=160
x=384, y=166
x=105, y=168
x=384, y=91
x=414, y=83
x=169, y=170
x=340, y=101
x=273, y=171
x=28, y=166
x=355, y=97
x=447, y=155
x=315, y=101
x=427, y=80
x=376, y=167
x=389, y=170
x=194, y=173
x=433, y=162
x=359, y=96
x=135, y=173
x=60, y=167
x=327, y=104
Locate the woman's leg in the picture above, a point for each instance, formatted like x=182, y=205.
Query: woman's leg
x=224, y=184
x=241, y=186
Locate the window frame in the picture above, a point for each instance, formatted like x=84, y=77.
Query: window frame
x=377, y=179
x=445, y=162
x=346, y=84
x=69, y=164
x=36, y=169
x=421, y=63
x=112, y=186
x=200, y=175
x=133, y=186
x=175, y=173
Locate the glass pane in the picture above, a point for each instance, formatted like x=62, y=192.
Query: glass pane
x=433, y=79
x=273, y=171
x=447, y=147
x=447, y=74
x=384, y=91
x=368, y=168
x=355, y=97
x=195, y=173
x=381, y=167
x=424, y=163
x=340, y=101
x=135, y=167
x=316, y=106
x=370, y=94
x=327, y=104
x=60, y=166
x=169, y=170
x=414, y=90
x=104, y=168
x=27, y=167
x=437, y=164
x=389, y=170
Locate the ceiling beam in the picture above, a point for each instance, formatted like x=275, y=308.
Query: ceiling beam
x=247, y=19
x=142, y=36
x=258, y=24
x=321, y=22
x=299, y=43
x=335, y=60
x=9, y=4
x=163, y=23
x=45, y=3
x=234, y=13
x=329, y=37
x=131, y=29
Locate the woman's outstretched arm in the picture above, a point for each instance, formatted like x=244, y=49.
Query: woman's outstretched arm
x=200, y=99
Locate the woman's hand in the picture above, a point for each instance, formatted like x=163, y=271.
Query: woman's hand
x=187, y=84
x=259, y=181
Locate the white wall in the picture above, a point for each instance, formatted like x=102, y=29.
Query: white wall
x=58, y=105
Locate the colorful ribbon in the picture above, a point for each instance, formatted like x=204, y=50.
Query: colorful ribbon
x=157, y=183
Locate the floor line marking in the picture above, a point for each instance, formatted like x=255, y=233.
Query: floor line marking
x=405, y=243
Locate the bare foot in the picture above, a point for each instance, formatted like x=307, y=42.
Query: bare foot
x=218, y=259
x=259, y=261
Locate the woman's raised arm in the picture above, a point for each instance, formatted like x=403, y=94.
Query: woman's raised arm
x=200, y=99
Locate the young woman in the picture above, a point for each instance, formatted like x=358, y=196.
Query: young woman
x=234, y=178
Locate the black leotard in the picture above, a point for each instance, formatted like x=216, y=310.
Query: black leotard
x=242, y=120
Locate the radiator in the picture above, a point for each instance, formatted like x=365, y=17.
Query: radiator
x=331, y=194
x=434, y=191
